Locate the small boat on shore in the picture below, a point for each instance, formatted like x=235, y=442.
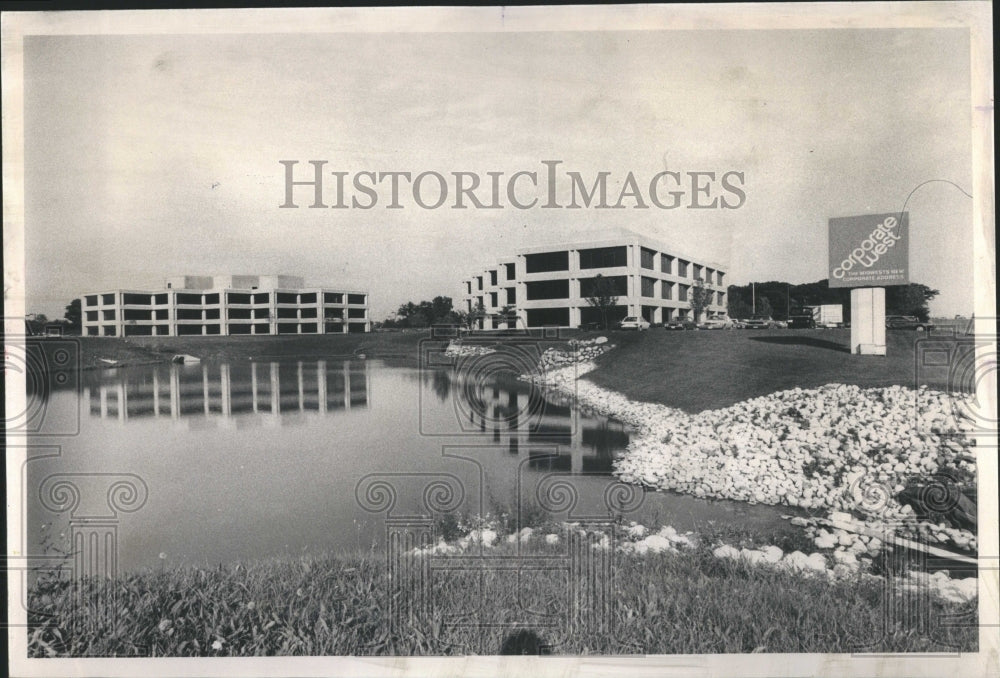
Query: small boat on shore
x=185, y=359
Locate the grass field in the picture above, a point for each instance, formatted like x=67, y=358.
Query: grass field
x=701, y=370
x=685, y=602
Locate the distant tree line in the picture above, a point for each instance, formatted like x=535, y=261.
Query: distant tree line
x=777, y=299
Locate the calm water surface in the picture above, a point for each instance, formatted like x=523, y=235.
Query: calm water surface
x=248, y=460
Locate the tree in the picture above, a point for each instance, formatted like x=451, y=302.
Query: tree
x=909, y=299
x=737, y=305
x=700, y=299
x=476, y=315
x=764, y=308
x=36, y=323
x=603, y=298
x=74, y=317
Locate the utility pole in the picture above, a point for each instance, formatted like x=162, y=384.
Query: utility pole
x=753, y=295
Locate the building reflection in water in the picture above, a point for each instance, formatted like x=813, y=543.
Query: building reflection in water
x=516, y=416
x=225, y=390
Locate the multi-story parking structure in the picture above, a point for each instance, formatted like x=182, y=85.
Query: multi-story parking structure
x=550, y=285
x=226, y=305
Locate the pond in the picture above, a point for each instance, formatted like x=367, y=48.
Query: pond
x=163, y=465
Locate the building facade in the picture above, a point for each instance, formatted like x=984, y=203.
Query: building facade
x=549, y=286
x=225, y=306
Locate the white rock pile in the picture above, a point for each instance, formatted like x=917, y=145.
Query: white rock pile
x=457, y=349
x=578, y=351
x=828, y=448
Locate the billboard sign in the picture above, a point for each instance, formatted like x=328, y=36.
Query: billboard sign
x=870, y=251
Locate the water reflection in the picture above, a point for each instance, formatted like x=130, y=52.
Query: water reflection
x=226, y=390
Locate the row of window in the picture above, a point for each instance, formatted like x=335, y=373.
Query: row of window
x=232, y=314
x=605, y=286
x=543, y=317
x=611, y=257
x=215, y=328
x=136, y=299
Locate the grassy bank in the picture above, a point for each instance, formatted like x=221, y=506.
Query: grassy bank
x=681, y=602
x=695, y=371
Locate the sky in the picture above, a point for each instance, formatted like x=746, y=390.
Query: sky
x=158, y=155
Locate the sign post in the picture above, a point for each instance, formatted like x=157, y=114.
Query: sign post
x=868, y=253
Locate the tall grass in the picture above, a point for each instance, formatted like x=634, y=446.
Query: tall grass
x=688, y=602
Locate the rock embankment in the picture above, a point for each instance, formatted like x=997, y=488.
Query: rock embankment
x=581, y=351
x=835, y=448
x=458, y=349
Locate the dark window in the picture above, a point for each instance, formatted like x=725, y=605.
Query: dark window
x=709, y=276
x=511, y=271
x=666, y=263
x=160, y=299
x=213, y=329
x=110, y=330
x=135, y=314
x=109, y=314
x=238, y=298
x=333, y=312
x=540, y=317
x=355, y=328
x=189, y=299
x=682, y=268
x=355, y=313
x=92, y=316
x=604, y=257
x=138, y=299
x=92, y=300
x=262, y=298
x=683, y=289
x=309, y=328
x=356, y=299
x=648, y=287
x=308, y=313
x=239, y=329
x=188, y=314
x=720, y=279
x=238, y=313
x=646, y=258
x=721, y=298
x=188, y=329
x=213, y=313
x=666, y=290
x=162, y=314
x=547, y=289
x=619, y=285
x=264, y=313
x=262, y=328
x=493, y=277
x=309, y=298
x=92, y=331
x=287, y=328
x=511, y=295
x=108, y=298
x=138, y=330
x=479, y=280
x=287, y=313
x=333, y=298
x=286, y=298
x=493, y=299
x=468, y=287
x=696, y=271
x=546, y=261
x=214, y=299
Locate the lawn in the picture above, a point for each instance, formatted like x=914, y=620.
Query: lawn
x=699, y=370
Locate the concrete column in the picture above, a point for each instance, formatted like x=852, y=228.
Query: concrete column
x=204, y=388
x=275, y=390
x=347, y=385
x=122, y=400
x=868, y=320
x=156, y=392
x=301, y=383
x=175, y=391
x=253, y=385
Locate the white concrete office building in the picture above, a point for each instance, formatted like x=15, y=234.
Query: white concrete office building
x=226, y=305
x=549, y=286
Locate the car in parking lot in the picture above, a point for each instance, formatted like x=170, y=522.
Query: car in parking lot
x=633, y=323
x=757, y=322
x=716, y=324
x=681, y=324
x=907, y=322
x=801, y=321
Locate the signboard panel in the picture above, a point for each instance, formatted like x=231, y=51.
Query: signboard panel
x=872, y=250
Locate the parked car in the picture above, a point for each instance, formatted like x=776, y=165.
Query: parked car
x=780, y=324
x=716, y=324
x=633, y=323
x=679, y=325
x=803, y=321
x=907, y=322
x=757, y=322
